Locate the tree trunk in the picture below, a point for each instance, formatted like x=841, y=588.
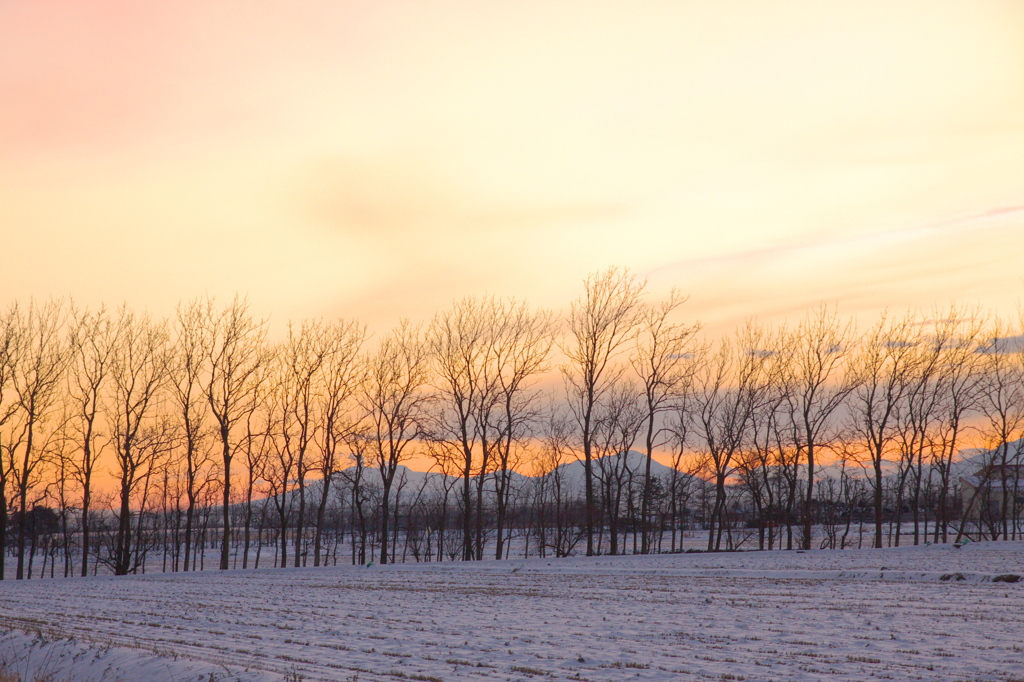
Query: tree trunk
x=227, y=499
x=645, y=505
x=124, y=537
x=878, y=502
x=23, y=503
x=384, y=509
x=808, y=501
x=321, y=510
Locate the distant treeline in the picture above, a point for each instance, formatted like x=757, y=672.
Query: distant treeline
x=218, y=438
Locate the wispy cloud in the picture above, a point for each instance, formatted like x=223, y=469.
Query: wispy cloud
x=990, y=218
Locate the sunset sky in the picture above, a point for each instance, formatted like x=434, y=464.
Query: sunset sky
x=379, y=159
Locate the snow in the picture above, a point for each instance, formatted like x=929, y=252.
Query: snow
x=43, y=656
x=929, y=612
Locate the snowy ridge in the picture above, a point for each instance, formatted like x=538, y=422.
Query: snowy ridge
x=40, y=656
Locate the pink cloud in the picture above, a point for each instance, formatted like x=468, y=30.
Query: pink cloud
x=104, y=75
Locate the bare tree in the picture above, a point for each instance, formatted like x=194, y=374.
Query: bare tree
x=1002, y=400
x=757, y=462
x=256, y=444
x=883, y=370
x=618, y=419
x=94, y=339
x=448, y=464
x=553, y=493
x=234, y=353
x=485, y=352
x=919, y=418
x=41, y=360
x=303, y=356
x=523, y=344
x=728, y=389
x=394, y=401
x=186, y=373
x=662, y=359
x=342, y=374
x=600, y=324
x=959, y=384
x=461, y=342
x=280, y=468
x=200, y=418
x=139, y=372
x=359, y=442
x=684, y=465
x=63, y=463
x=152, y=453
x=817, y=385
x=9, y=339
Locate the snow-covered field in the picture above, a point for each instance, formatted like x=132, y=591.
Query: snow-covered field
x=932, y=613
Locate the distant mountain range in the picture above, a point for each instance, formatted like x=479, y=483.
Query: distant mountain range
x=572, y=476
x=411, y=482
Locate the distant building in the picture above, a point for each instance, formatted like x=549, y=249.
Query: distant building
x=983, y=493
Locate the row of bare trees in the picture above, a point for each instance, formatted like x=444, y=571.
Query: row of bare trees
x=123, y=422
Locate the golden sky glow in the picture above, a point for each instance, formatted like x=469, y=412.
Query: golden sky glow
x=378, y=159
